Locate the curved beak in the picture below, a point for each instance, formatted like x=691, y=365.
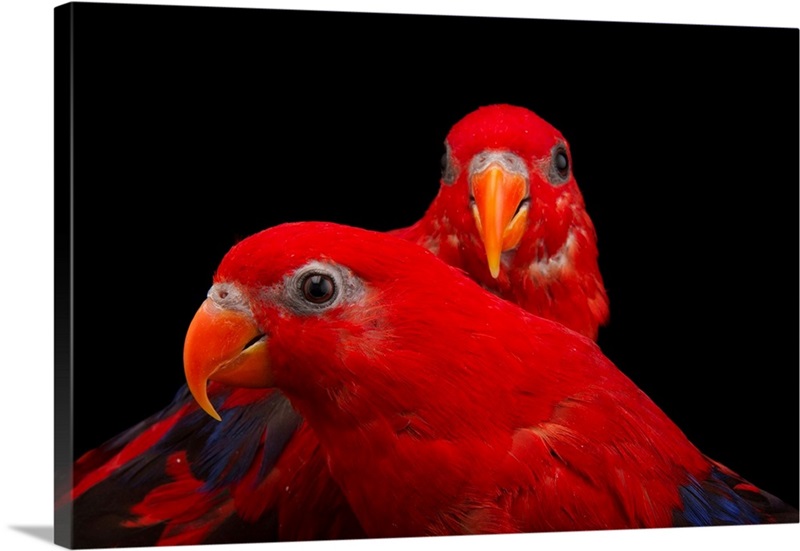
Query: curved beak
x=225, y=346
x=500, y=210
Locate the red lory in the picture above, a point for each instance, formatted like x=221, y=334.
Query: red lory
x=442, y=409
x=508, y=212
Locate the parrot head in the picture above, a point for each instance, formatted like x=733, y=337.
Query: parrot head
x=292, y=304
x=507, y=182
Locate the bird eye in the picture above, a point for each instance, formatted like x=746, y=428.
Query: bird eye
x=559, y=167
x=448, y=169
x=318, y=288
x=561, y=163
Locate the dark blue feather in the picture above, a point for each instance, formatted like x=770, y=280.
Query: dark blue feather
x=724, y=499
x=218, y=453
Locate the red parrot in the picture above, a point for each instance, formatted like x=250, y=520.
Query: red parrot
x=508, y=212
x=442, y=409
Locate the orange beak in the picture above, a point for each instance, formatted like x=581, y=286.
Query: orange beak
x=224, y=345
x=500, y=211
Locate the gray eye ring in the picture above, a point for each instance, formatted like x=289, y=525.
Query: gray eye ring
x=316, y=287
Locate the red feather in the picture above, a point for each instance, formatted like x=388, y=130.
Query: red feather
x=446, y=410
x=553, y=272
x=266, y=478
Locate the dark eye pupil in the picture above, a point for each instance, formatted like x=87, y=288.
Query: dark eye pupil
x=561, y=162
x=318, y=288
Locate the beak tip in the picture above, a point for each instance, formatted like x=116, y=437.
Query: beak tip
x=493, y=261
x=202, y=400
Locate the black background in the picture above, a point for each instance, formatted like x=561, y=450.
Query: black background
x=196, y=126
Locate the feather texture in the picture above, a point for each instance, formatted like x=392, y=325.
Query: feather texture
x=444, y=409
x=180, y=478
x=552, y=271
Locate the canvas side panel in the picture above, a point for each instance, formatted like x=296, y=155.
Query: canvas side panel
x=63, y=223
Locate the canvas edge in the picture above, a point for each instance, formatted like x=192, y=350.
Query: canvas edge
x=63, y=267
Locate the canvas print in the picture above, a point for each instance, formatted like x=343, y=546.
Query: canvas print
x=339, y=275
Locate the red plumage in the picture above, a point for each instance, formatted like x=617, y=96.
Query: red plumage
x=552, y=270
x=443, y=409
x=261, y=476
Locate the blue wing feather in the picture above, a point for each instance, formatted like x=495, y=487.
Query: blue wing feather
x=219, y=454
x=723, y=498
